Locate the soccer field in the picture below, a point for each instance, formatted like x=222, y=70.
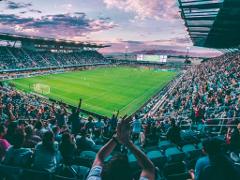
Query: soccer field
x=103, y=90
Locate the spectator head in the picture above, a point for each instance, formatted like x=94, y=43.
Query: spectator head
x=19, y=138
x=11, y=128
x=90, y=118
x=2, y=130
x=55, y=129
x=173, y=122
x=22, y=123
x=66, y=138
x=136, y=116
x=111, y=170
x=52, y=121
x=74, y=110
x=83, y=133
x=29, y=130
x=59, y=111
x=48, y=141
x=38, y=125
x=212, y=146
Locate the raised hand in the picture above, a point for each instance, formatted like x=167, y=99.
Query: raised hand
x=124, y=130
x=79, y=105
x=117, y=114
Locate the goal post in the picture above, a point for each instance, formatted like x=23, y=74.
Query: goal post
x=41, y=88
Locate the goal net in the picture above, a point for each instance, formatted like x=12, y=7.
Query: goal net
x=41, y=88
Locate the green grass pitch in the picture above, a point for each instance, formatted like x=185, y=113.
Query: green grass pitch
x=103, y=90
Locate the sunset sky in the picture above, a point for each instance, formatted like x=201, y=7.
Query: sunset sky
x=138, y=24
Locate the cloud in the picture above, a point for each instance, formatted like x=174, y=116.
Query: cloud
x=180, y=41
x=151, y=46
x=147, y=9
x=14, y=5
x=59, y=25
x=23, y=12
x=35, y=11
x=133, y=42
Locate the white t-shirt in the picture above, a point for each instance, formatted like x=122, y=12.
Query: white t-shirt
x=137, y=125
x=96, y=171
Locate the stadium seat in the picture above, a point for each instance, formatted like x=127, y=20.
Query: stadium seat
x=174, y=168
x=158, y=174
x=188, y=148
x=56, y=177
x=173, y=154
x=163, y=145
x=133, y=161
x=191, y=151
x=189, y=137
x=88, y=154
x=157, y=158
x=82, y=172
x=73, y=171
x=34, y=174
x=199, y=145
x=9, y=172
x=180, y=176
x=86, y=158
x=192, y=154
x=96, y=148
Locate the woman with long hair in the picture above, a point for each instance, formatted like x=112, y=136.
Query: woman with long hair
x=47, y=155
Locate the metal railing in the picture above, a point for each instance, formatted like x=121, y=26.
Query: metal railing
x=223, y=123
x=165, y=96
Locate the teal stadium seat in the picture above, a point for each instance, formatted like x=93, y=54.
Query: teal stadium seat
x=163, y=145
x=35, y=175
x=133, y=161
x=191, y=151
x=157, y=158
x=86, y=158
x=172, y=169
x=73, y=172
x=55, y=177
x=9, y=172
x=173, y=154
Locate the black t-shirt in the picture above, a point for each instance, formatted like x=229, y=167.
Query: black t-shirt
x=83, y=144
x=76, y=123
x=235, y=140
x=173, y=134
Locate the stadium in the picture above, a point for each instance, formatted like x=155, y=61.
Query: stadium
x=132, y=90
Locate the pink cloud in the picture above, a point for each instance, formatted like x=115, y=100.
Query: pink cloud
x=155, y=9
x=58, y=25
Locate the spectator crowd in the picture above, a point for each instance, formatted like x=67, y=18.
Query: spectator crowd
x=19, y=58
x=193, y=134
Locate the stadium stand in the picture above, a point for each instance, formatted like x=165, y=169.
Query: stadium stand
x=18, y=58
x=43, y=140
x=189, y=130
x=43, y=53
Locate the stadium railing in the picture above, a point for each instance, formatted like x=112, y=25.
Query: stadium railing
x=165, y=96
x=220, y=125
x=51, y=67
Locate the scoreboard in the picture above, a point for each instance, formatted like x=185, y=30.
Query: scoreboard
x=152, y=58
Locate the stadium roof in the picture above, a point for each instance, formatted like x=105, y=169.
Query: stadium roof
x=212, y=23
x=49, y=41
